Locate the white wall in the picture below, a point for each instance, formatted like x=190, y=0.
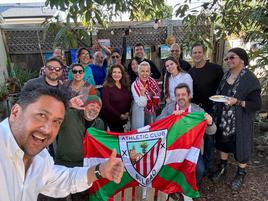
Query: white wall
x=3, y=59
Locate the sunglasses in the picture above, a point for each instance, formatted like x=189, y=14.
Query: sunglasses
x=116, y=56
x=174, y=50
x=51, y=68
x=229, y=58
x=77, y=71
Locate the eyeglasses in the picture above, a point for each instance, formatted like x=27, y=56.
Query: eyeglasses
x=116, y=56
x=77, y=71
x=174, y=50
x=51, y=68
x=229, y=58
x=85, y=54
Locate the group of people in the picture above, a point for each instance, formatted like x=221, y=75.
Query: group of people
x=102, y=92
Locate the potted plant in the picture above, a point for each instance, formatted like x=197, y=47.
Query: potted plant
x=3, y=92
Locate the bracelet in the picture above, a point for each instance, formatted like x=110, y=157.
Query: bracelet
x=97, y=172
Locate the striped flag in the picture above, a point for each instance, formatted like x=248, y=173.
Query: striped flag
x=162, y=155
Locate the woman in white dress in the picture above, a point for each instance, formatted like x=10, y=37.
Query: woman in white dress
x=146, y=94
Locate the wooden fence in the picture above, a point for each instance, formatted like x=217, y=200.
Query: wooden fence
x=131, y=194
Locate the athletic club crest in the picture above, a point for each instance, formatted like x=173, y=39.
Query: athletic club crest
x=143, y=154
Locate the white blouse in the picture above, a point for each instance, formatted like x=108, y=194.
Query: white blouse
x=178, y=79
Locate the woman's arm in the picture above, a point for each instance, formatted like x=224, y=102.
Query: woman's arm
x=141, y=101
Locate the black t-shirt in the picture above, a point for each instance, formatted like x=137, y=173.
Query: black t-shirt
x=205, y=83
x=185, y=65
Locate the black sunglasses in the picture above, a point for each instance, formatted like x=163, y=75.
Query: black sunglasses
x=51, y=68
x=117, y=56
x=77, y=71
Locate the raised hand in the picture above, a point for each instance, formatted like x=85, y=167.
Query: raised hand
x=112, y=169
x=77, y=102
x=142, y=90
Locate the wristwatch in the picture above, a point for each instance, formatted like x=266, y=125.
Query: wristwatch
x=97, y=172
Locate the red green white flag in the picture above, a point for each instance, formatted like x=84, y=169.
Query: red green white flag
x=162, y=155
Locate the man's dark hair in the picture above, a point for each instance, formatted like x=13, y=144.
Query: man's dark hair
x=32, y=94
x=54, y=59
x=198, y=45
x=138, y=44
x=182, y=85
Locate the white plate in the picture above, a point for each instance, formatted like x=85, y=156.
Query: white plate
x=219, y=98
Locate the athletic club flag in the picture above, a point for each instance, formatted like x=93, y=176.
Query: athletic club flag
x=162, y=155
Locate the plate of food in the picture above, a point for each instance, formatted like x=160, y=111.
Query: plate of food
x=219, y=98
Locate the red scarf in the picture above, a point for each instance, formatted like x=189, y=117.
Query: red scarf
x=152, y=87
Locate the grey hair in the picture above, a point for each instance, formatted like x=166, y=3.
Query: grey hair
x=95, y=54
x=144, y=63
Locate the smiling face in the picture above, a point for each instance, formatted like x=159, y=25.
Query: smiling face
x=117, y=74
x=84, y=57
x=171, y=67
x=139, y=52
x=116, y=58
x=53, y=70
x=36, y=126
x=175, y=51
x=233, y=61
x=78, y=73
x=182, y=97
x=198, y=54
x=98, y=60
x=92, y=111
x=58, y=53
x=134, y=65
x=144, y=72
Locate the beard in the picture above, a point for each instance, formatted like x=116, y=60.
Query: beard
x=99, y=64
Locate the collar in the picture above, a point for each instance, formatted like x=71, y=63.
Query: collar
x=177, y=108
x=9, y=140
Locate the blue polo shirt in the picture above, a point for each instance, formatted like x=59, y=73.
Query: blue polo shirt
x=99, y=73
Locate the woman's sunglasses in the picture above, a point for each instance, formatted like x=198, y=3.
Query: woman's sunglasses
x=77, y=71
x=229, y=58
x=116, y=56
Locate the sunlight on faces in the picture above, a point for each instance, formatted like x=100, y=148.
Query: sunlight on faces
x=182, y=97
x=198, y=54
x=92, y=111
x=78, y=73
x=58, y=53
x=84, y=57
x=116, y=74
x=98, y=59
x=144, y=72
x=171, y=67
x=233, y=60
x=134, y=65
x=139, y=52
x=37, y=125
x=53, y=74
x=175, y=50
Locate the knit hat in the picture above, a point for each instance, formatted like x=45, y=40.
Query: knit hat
x=93, y=99
x=241, y=53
